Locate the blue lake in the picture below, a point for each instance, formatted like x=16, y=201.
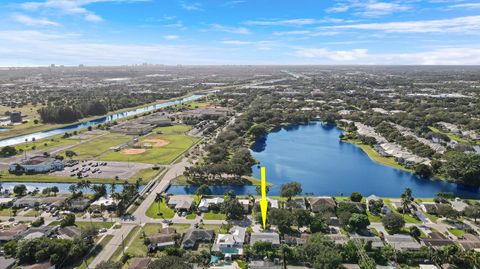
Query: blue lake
x=78, y=126
x=313, y=155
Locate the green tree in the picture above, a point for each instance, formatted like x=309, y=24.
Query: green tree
x=232, y=209
x=159, y=200
x=290, y=189
x=20, y=190
x=415, y=232
x=318, y=224
x=68, y=220
x=109, y=265
x=473, y=212
x=358, y=222
x=393, y=222
x=356, y=197
x=423, y=170
x=202, y=190
x=70, y=153
x=169, y=262
x=258, y=130
x=464, y=167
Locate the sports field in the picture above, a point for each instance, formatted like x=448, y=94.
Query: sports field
x=163, y=146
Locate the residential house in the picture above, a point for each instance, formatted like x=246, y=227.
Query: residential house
x=429, y=207
x=358, y=205
x=37, y=232
x=231, y=244
x=107, y=202
x=140, y=263
x=180, y=202
x=205, y=203
x=377, y=243
x=245, y=204
x=69, y=232
x=402, y=242
x=45, y=265
x=272, y=203
x=320, y=203
x=428, y=266
x=437, y=240
x=272, y=237
x=14, y=232
x=6, y=201
x=338, y=239
x=166, y=238
x=296, y=240
x=469, y=242
x=194, y=236
x=78, y=204
x=37, y=164
x=32, y=201
x=296, y=203
x=459, y=205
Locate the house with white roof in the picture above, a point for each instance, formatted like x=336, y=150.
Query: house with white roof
x=205, y=203
x=231, y=244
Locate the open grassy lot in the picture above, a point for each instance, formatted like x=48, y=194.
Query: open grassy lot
x=457, y=232
x=178, y=142
x=86, y=224
x=214, y=216
x=138, y=247
x=97, y=146
x=5, y=176
x=118, y=252
x=6, y=212
x=46, y=144
x=96, y=251
x=165, y=211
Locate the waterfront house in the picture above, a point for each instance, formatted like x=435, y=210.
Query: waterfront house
x=459, y=205
x=6, y=201
x=245, y=204
x=231, y=244
x=32, y=201
x=271, y=237
x=429, y=207
x=205, y=203
x=319, y=203
x=78, y=204
x=180, y=202
x=107, y=202
x=272, y=203
x=194, y=236
x=37, y=164
x=437, y=240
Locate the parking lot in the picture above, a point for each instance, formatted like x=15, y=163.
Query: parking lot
x=99, y=169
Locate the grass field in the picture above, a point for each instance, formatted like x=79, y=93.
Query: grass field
x=138, y=248
x=373, y=155
x=5, y=176
x=179, y=142
x=96, y=251
x=6, y=212
x=165, y=211
x=97, y=146
x=450, y=135
x=214, y=216
x=457, y=232
x=118, y=252
x=46, y=144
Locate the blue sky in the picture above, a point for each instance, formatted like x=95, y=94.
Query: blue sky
x=112, y=32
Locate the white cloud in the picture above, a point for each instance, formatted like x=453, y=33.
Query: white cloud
x=171, y=37
x=306, y=33
x=370, y=8
x=231, y=30
x=467, y=6
x=71, y=7
x=27, y=20
x=438, y=56
x=460, y=24
x=338, y=55
x=236, y=42
x=191, y=6
x=293, y=22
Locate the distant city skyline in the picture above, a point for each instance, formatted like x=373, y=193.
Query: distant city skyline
x=117, y=32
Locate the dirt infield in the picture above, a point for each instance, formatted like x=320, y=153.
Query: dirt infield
x=157, y=143
x=133, y=151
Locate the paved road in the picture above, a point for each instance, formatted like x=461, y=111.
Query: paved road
x=118, y=236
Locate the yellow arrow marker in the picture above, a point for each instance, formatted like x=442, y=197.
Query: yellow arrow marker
x=263, y=201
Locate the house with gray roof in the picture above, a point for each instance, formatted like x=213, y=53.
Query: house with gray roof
x=272, y=237
x=194, y=236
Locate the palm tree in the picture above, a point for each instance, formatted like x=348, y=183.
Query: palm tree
x=407, y=199
x=112, y=187
x=159, y=200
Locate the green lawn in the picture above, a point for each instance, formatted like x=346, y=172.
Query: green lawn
x=373, y=218
x=33, y=213
x=5, y=176
x=97, y=146
x=147, y=174
x=6, y=212
x=118, y=252
x=97, y=225
x=457, y=232
x=47, y=143
x=179, y=142
x=165, y=211
x=97, y=250
x=192, y=215
x=450, y=135
x=214, y=216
